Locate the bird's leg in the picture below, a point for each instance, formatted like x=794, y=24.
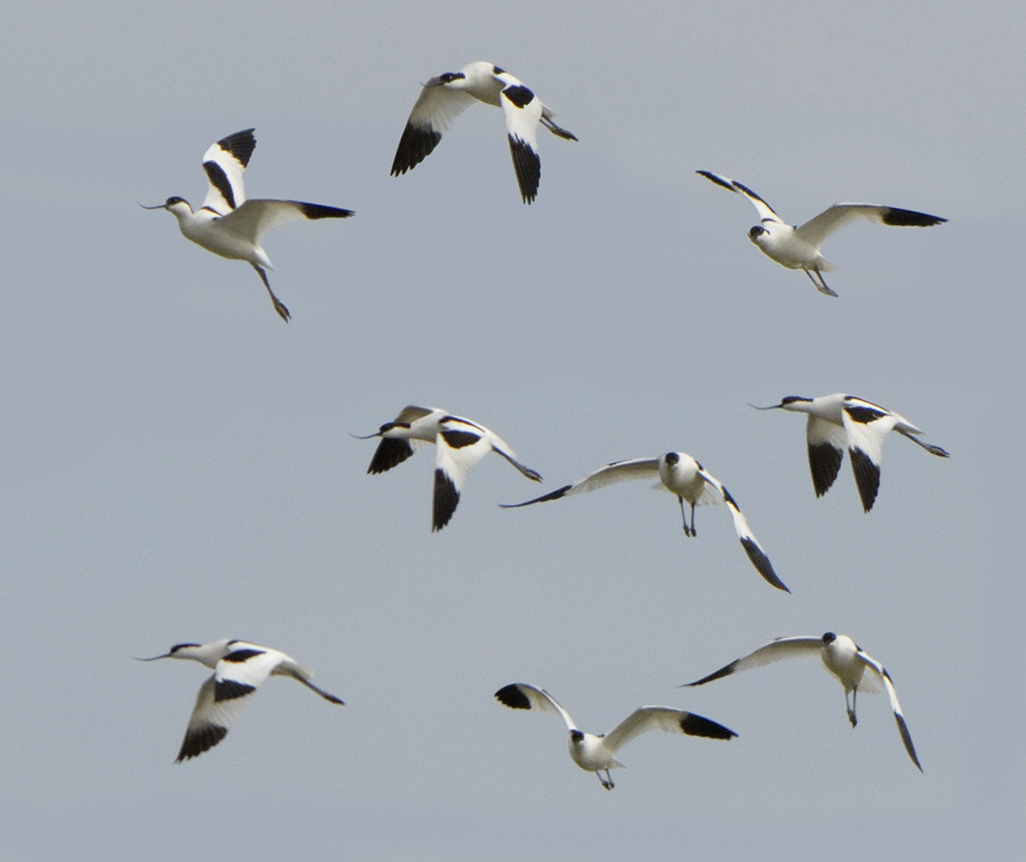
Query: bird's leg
x=693, y=533
x=683, y=514
x=821, y=285
x=607, y=782
x=279, y=306
x=851, y=709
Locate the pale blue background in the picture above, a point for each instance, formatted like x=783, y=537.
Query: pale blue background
x=175, y=462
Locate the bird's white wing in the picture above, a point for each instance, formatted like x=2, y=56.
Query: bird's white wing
x=224, y=163
x=254, y=218
x=826, y=442
x=775, y=650
x=461, y=445
x=766, y=212
x=748, y=541
x=523, y=110
x=899, y=717
x=520, y=695
x=866, y=426
x=664, y=718
x=618, y=471
x=436, y=107
x=817, y=229
x=210, y=721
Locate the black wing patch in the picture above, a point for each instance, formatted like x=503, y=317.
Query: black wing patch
x=391, y=451
x=316, y=211
x=446, y=500
x=762, y=564
x=552, y=495
x=229, y=689
x=867, y=477
x=519, y=95
x=909, y=218
x=824, y=462
x=219, y=180
x=513, y=697
x=455, y=439
x=528, y=167
x=415, y=145
x=241, y=655
x=240, y=145
x=196, y=742
x=863, y=415
x=696, y=725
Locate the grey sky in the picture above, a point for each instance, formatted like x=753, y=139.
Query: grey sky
x=176, y=462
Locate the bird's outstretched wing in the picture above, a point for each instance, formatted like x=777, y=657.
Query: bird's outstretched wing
x=520, y=695
x=254, y=218
x=210, y=721
x=775, y=650
x=224, y=163
x=663, y=718
x=866, y=426
x=831, y=220
x=618, y=471
x=436, y=107
x=899, y=717
x=766, y=212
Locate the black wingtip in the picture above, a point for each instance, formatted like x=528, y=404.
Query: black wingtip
x=527, y=166
x=867, y=477
x=195, y=743
x=446, y=500
x=696, y=725
x=415, y=145
x=762, y=564
x=512, y=696
x=552, y=495
x=719, y=674
x=910, y=218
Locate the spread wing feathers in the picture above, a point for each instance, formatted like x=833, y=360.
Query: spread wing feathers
x=866, y=426
x=748, y=541
x=391, y=452
x=880, y=671
x=224, y=163
x=460, y=446
x=618, y=471
x=244, y=670
x=520, y=695
x=817, y=229
x=775, y=650
x=254, y=218
x=827, y=443
x=210, y=721
x=436, y=107
x=766, y=212
x=523, y=112
x=663, y=718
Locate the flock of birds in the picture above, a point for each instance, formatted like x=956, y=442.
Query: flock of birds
x=233, y=227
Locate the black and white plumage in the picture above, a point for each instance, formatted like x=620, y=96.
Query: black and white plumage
x=798, y=247
x=240, y=668
x=843, y=658
x=231, y=226
x=683, y=476
x=597, y=753
x=446, y=96
x=838, y=422
x=459, y=443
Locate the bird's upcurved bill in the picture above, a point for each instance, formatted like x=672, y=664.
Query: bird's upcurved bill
x=152, y=658
x=771, y=407
x=157, y=207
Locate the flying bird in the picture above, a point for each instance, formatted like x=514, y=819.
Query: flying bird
x=798, y=247
x=459, y=443
x=598, y=753
x=842, y=421
x=843, y=658
x=231, y=226
x=240, y=668
x=446, y=96
x=683, y=476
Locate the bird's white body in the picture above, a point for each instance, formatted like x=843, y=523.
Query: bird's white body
x=231, y=226
x=685, y=478
x=240, y=668
x=847, y=661
x=597, y=753
x=446, y=96
x=799, y=247
x=460, y=444
x=838, y=422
